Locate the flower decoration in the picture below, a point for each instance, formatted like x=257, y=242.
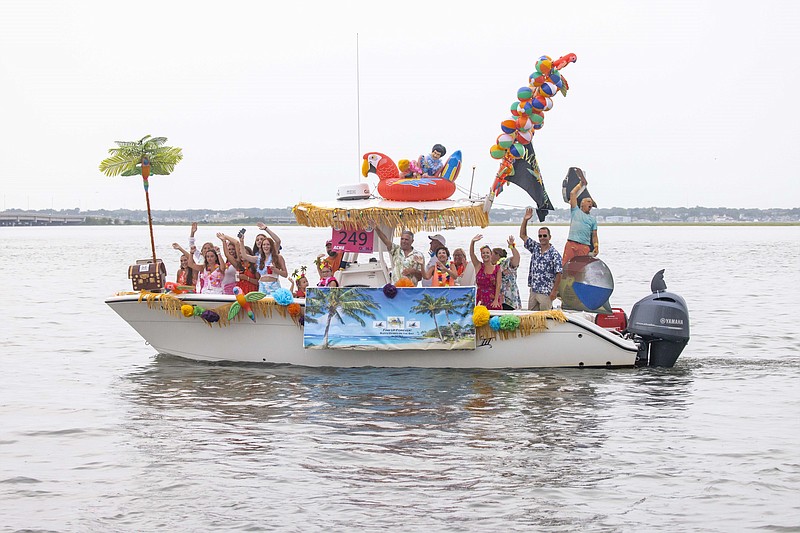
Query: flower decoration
x=405, y=282
x=480, y=316
x=509, y=322
x=283, y=296
x=389, y=290
x=187, y=310
x=198, y=311
x=210, y=316
x=294, y=309
x=494, y=323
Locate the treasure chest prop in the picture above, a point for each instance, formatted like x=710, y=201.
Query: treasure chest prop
x=147, y=276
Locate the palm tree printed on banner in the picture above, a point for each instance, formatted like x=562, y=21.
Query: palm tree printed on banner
x=339, y=303
x=428, y=305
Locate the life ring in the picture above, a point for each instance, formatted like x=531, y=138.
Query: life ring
x=422, y=189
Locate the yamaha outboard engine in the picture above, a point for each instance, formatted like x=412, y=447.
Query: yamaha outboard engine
x=660, y=325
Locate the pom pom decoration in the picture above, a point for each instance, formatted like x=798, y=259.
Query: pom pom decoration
x=283, y=296
x=210, y=316
x=405, y=282
x=389, y=290
x=187, y=310
x=198, y=311
x=294, y=309
x=480, y=315
x=494, y=323
x=509, y=322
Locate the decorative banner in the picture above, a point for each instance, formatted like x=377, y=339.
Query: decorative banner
x=358, y=241
x=365, y=318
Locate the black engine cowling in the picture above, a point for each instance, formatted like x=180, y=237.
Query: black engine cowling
x=660, y=323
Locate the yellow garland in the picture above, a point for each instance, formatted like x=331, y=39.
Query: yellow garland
x=172, y=306
x=534, y=322
x=412, y=218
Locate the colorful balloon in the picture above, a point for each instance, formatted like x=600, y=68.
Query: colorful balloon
x=524, y=137
x=538, y=80
x=548, y=89
x=524, y=93
x=515, y=109
x=505, y=140
x=540, y=102
x=544, y=66
x=497, y=152
x=508, y=126
x=517, y=150
x=524, y=123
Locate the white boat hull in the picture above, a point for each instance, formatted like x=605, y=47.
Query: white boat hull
x=277, y=339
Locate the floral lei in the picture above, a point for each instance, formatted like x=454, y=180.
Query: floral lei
x=443, y=276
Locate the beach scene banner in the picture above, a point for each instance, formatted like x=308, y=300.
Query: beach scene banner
x=365, y=318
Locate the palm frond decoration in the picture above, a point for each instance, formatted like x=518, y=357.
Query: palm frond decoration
x=126, y=159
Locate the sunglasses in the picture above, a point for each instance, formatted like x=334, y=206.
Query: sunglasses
x=543, y=236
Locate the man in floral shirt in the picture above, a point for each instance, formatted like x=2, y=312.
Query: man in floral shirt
x=544, y=275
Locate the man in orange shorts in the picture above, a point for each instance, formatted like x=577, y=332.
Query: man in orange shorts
x=582, y=225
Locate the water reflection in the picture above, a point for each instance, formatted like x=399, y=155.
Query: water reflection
x=526, y=424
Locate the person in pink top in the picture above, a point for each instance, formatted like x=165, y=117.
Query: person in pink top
x=487, y=276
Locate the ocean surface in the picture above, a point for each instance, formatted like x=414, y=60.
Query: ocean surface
x=98, y=433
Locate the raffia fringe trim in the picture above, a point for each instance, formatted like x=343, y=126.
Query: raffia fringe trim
x=534, y=322
x=410, y=218
x=171, y=305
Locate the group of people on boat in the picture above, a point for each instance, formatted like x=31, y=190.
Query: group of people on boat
x=492, y=270
x=249, y=268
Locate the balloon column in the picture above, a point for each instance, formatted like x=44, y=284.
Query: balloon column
x=528, y=115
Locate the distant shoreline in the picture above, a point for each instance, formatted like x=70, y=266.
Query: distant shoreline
x=498, y=224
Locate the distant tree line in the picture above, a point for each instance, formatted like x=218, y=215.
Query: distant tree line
x=283, y=215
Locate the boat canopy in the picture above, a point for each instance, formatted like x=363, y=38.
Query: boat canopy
x=415, y=216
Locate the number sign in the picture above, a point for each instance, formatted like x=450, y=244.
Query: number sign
x=358, y=241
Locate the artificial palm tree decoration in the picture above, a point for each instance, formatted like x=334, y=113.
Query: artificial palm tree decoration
x=142, y=158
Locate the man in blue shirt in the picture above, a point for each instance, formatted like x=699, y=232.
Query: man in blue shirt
x=582, y=225
x=544, y=275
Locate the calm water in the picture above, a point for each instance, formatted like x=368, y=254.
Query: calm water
x=99, y=434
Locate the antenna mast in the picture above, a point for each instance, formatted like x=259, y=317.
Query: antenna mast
x=358, y=106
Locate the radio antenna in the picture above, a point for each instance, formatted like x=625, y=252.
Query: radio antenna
x=358, y=107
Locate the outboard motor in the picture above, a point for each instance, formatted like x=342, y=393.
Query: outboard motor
x=660, y=325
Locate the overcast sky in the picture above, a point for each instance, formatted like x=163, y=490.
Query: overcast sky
x=671, y=103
